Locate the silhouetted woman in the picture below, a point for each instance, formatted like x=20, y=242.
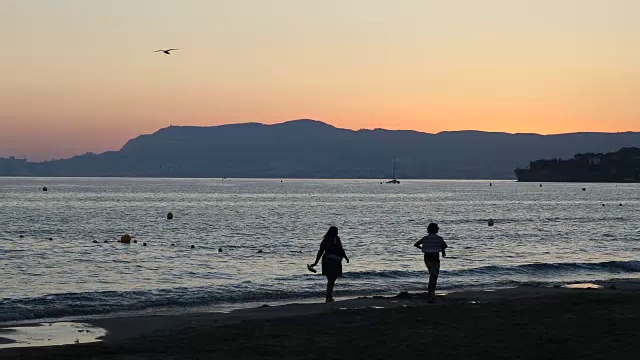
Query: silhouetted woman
x=332, y=253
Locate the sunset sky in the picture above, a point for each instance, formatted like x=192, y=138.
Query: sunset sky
x=80, y=75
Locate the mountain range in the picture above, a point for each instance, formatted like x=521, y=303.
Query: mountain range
x=313, y=149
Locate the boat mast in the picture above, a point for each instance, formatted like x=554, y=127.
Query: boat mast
x=394, y=168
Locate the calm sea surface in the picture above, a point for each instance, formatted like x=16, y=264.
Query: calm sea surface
x=543, y=236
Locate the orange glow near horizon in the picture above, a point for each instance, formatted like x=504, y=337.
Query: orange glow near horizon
x=81, y=76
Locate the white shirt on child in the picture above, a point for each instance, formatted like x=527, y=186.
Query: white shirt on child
x=433, y=243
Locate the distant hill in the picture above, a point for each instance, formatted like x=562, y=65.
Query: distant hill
x=312, y=149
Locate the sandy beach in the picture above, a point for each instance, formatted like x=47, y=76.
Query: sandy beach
x=521, y=323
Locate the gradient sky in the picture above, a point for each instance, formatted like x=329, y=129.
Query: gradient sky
x=80, y=75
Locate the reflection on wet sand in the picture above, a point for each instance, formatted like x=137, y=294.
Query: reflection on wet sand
x=583, y=286
x=49, y=334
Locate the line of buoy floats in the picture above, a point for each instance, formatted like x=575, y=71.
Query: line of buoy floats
x=127, y=239
x=491, y=222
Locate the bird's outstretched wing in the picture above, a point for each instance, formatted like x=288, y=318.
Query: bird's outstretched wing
x=158, y=50
x=172, y=49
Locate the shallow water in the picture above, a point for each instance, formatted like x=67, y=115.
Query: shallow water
x=50, y=334
x=547, y=235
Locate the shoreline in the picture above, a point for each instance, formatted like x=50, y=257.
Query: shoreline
x=118, y=327
x=133, y=333
x=232, y=307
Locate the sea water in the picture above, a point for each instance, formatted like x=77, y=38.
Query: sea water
x=252, y=239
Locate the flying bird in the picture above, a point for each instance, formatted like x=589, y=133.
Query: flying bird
x=166, y=52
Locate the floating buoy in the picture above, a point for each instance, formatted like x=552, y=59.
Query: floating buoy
x=45, y=189
x=169, y=216
x=135, y=241
x=540, y=185
x=95, y=241
x=584, y=189
x=490, y=222
x=602, y=204
x=50, y=238
x=260, y=251
x=173, y=244
x=125, y=239
x=106, y=241
x=193, y=246
x=620, y=204
x=21, y=236
x=144, y=244
x=490, y=184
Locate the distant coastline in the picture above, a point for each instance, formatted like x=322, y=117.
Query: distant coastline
x=622, y=166
x=314, y=150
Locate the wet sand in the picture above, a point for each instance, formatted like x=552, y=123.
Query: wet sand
x=522, y=323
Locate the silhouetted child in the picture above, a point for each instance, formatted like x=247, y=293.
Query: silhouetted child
x=431, y=245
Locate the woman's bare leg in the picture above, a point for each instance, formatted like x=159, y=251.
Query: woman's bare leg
x=331, y=281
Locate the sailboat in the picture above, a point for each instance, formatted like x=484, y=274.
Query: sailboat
x=394, y=181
